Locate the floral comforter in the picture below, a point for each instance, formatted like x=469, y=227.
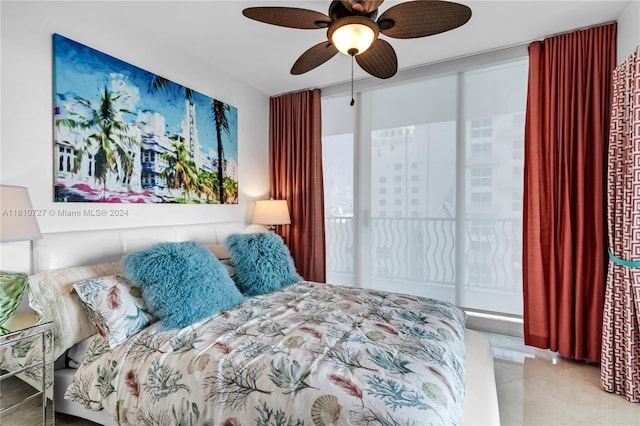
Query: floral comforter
x=309, y=354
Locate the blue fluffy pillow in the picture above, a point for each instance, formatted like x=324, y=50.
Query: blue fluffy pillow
x=263, y=263
x=182, y=282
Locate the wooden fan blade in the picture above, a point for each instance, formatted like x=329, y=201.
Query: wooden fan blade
x=422, y=18
x=313, y=57
x=379, y=60
x=291, y=17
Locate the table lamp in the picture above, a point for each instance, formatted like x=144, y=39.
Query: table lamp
x=271, y=213
x=17, y=223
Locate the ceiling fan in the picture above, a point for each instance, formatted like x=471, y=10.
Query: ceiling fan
x=352, y=28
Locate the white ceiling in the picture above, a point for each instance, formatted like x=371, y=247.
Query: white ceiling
x=262, y=55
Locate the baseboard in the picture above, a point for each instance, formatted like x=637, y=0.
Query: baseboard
x=495, y=323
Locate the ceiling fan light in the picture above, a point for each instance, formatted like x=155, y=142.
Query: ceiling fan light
x=352, y=37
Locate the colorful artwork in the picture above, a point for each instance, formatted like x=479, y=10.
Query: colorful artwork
x=125, y=135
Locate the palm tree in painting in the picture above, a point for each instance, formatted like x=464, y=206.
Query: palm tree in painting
x=180, y=172
x=108, y=140
x=220, y=112
x=207, y=184
x=230, y=189
x=158, y=83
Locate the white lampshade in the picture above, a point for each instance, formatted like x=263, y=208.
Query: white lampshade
x=18, y=219
x=353, y=35
x=271, y=212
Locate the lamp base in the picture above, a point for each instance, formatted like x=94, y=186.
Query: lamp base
x=12, y=286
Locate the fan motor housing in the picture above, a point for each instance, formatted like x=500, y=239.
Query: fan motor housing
x=337, y=11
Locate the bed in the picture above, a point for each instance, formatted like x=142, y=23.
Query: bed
x=308, y=353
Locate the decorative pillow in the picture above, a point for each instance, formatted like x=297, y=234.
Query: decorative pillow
x=115, y=306
x=183, y=282
x=219, y=251
x=52, y=296
x=230, y=267
x=263, y=263
x=223, y=255
x=75, y=354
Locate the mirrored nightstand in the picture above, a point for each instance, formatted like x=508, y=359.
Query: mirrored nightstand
x=26, y=376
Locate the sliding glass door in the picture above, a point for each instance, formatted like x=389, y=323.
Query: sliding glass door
x=423, y=187
x=339, y=189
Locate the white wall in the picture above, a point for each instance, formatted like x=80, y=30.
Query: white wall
x=26, y=145
x=628, y=30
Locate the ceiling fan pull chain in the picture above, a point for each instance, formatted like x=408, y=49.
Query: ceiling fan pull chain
x=352, y=100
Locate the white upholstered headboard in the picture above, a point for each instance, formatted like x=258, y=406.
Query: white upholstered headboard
x=67, y=249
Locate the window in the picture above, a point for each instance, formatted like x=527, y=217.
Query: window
x=338, y=171
x=92, y=164
x=481, y=149
x=516, y=201
x=480, y=246
x=65, y=158
x=481, y=128
x=480, y=229
x=481, y=177
x=518, y=172
x=450, y=145
x=518, y=150
x=481, y=199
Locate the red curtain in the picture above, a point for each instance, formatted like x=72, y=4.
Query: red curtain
x=295, y=158
x=564, y=235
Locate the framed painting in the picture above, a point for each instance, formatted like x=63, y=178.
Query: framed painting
x=126, y=135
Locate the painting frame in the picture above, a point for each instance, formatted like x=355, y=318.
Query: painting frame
x=126, y=135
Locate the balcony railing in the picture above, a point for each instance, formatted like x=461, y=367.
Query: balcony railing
x=423, y=250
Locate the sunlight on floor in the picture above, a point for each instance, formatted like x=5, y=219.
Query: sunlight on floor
x=539, y=387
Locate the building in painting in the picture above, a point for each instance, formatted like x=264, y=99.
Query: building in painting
x=154, y=143
x=146, y=181
x=190, y=133
x=76, y=175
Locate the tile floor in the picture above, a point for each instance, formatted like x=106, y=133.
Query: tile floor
x=538, y=387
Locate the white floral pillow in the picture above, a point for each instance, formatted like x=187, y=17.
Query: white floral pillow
x=115, y=306
x=52, y=296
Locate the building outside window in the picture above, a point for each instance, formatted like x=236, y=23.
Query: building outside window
x=431, y=203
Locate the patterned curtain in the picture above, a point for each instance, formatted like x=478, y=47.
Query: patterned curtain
x=620, y=371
